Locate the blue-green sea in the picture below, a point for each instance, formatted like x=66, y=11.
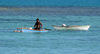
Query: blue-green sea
x=53, y=41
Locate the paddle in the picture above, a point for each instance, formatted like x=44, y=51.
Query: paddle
x=41, y=28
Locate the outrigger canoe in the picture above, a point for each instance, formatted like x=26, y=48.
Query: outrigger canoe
x=83, y=27
x=30, y=30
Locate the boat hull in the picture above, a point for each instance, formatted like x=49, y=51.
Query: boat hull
x=85, y=27
x=29, y=30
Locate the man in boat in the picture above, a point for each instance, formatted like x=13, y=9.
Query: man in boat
x=38, y=25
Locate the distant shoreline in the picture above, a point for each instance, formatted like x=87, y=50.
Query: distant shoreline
x=51, y=6
x=50, y=10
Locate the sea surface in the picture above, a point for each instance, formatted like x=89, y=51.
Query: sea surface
x=92, y=3
x=53, y=41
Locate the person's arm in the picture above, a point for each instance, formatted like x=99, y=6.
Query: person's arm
x=35, y=25
x=41, y=24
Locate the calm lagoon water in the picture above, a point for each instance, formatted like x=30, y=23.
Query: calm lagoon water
x=52, y=42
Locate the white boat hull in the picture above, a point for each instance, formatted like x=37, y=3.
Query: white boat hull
x=29, y=30
x=84, y=27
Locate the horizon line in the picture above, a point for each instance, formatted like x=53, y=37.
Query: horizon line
x=44, y=6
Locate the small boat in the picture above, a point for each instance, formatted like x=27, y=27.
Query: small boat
x=30, y=30
x=83, y=27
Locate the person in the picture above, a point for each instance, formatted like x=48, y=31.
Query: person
x=38, y=25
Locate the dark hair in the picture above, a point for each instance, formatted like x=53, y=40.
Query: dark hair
x=37, y=19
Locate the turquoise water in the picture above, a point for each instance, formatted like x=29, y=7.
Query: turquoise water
x=52, y=42
x=93, y=3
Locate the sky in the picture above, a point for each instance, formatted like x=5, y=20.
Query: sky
x=50, y=3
